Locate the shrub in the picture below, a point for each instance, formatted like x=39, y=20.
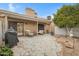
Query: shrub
x=5, y=51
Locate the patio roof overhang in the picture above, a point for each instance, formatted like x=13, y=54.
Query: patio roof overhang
x=22, y=17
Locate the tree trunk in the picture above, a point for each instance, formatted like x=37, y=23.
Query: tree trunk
x=69, y=32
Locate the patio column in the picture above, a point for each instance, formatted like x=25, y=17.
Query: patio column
x=37, y=27
x=23, y=29
x=5, y=26
x=6, y=23
x=1, y=41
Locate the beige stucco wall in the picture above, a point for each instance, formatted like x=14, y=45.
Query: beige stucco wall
x=46, y=28
x=52, y=27
x=32, y=26
x=49, y=27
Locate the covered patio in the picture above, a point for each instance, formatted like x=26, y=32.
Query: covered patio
x=22, y=24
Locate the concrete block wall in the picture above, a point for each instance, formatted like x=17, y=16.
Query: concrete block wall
x=76, y=32
x=62, y=31
x=59, y=31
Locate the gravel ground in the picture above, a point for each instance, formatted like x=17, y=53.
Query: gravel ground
x=41, y=45
x=66, y=51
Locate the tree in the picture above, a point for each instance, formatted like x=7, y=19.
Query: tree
x=67, y=17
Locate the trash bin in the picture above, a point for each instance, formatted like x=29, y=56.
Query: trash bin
x=11, y=38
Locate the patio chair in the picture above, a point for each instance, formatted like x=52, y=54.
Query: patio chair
x=41, y=32
x=29, y=33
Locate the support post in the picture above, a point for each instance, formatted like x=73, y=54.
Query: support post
x=5, y=26
x=6, y=23
x=23, y=29
x=37, y=27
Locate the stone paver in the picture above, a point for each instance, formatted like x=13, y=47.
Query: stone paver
x=41, y=45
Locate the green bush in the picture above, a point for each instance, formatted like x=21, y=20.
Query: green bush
x=5, y=51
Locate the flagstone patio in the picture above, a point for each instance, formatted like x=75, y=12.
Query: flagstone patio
x=41, y=45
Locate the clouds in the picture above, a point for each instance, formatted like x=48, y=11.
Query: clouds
x=11, y=7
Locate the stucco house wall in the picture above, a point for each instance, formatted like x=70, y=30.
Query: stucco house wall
x=47, y=28
x=32, y=26
x=29, y=23
x=52, y=27
x=26, y=25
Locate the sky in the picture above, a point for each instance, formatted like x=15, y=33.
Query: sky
x=42, y=9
